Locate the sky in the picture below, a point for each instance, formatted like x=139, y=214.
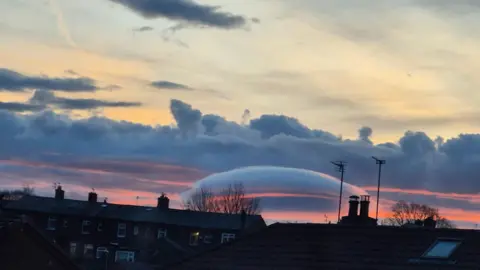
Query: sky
x=133, y=98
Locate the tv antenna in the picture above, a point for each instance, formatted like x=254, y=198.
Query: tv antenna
x=341, y=168
x=379, y=162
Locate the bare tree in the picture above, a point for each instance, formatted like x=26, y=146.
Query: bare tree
x=202, y=200
x=408, y=213
x=230, y=200
x=16, y=193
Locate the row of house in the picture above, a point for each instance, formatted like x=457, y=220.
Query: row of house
x=96, y=234
x=107, y=236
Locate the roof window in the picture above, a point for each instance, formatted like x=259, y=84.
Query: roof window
x=442, y=248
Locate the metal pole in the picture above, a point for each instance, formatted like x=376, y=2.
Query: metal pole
x=341, y=168
x=341, y=191
x=380, y=162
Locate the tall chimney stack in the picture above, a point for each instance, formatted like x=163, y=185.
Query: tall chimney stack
x=59, y=193
x=163, y=202
x=92, y=197
x=353, y=208
x=364, y=205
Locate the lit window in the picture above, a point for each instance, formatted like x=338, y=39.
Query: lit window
x=442, y=248
x=86, y=226
x=122, y=230
x=207, y=239
x=227, y=237
x=73, y=249
x=101, y=251
x=194, y=238
x=88, y=251
x=124, y=256
x=100, y=226
x=161, y=233
x=52, y=223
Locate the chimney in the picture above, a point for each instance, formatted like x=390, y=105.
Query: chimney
x=430, y=223
x=163, y=202
x=92, y=197
x=364, y=205
x=353, y=208
x=243, y=219
x=59, y=193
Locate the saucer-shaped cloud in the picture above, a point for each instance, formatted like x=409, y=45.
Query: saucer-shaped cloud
x=283, y=189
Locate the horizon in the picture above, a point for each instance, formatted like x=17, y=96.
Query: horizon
x=135, y=100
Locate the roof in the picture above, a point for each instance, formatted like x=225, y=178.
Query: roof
x=324, y=246
x=23, y=246
x=131, y=213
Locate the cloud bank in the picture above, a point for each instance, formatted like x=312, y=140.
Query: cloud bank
x=44, y=98
x=129, y=156
x=12, y=81
x=169, y=85
x=186, y=11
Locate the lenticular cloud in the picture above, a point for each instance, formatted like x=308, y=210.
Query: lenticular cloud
x=282, y=188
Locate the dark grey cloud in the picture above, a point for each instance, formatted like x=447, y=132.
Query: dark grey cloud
x=47, y=98
x=364, y=134
x=169, y=85
x=272, y=125
x=13, y=81
x=186, y=11
x=415, y=161
x=20, y=107
x=187, y=118
x=143, y=29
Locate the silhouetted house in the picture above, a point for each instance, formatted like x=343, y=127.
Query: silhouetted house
x=99, y=233
x=354, y=243
x=22, y=246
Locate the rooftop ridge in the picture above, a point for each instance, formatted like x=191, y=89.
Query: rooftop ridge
x=133, y=206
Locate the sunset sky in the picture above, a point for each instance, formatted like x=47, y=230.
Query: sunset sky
x=133, y=98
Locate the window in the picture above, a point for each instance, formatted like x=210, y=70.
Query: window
x=122, y=230
x=442, y=248
x=101, y=252
x=86, y=226
x=207, y=239
x=52, y=223
x=227, y=237
x=88, y=251
x=73, y=249
x=161, y=233
x=136, y=230
x=194, y=238
x=65, y=223
x=124, y=256
x=100, y=226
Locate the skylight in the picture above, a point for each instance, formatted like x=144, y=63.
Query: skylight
x=442, y=248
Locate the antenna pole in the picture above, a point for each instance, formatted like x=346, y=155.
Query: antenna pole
x=379, y=162
x=341, y=168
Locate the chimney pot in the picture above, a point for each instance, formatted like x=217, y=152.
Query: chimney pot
x=353, y=208
x=92, y=197
x=364, y=205
x=163, y=202
x=59, y=193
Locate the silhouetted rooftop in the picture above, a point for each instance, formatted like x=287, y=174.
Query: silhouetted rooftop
x=323, y=246
x=131, y=213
